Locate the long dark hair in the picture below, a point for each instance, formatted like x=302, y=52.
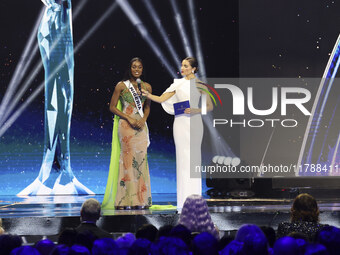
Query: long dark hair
x=128, y=74
x=305, y=208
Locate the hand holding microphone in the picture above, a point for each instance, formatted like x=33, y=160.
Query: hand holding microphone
x=139, y=81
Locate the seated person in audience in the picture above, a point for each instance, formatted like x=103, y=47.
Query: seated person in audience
x=169, y=246
x=8, y=243
x=67, y=237
x=316, y=249
x=246, y=230
x=164, y=231
x=182, y=232
x=304, y=216
x=270, y=234
x=205, y=244
x=61, y=249
x=45, y=247
x=234, y=248
x=125, y=242
x=196, y=217
x=105, y=246
x=253, y=239
x=147, y=231
x=79, y=250
x=23, y=250
x=89, y=214
x=286, y=246
x=140, y=247
x=329, y=237
x=255, y=245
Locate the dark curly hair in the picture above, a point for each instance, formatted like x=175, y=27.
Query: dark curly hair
x=305, y=208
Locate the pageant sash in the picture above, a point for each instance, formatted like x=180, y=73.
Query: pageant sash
x=136, y=98
x=138, y=103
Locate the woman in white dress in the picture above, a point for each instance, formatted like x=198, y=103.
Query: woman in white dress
x=187, y=129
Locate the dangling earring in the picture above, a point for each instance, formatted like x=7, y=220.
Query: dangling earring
x=192, y=71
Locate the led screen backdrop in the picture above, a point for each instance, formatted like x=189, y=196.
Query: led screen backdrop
x=106, y=35
x=247, y=39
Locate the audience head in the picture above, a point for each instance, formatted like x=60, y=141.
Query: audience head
x=126, y=240
x=233, y=248
x=305, y=208
x=224, y=241
x=147, y=231
x=246, y=230
x=169, y=246
x=255, y=245
x=86, y=239
x=90, y=210
x=270, y=235
x=286, y=246
x=316, y=249
x=25, y=250
x=44, y=246
x=105, y=246
x=79, y=250
x=195, y=216
x=8, y=243
x=68, y=237
x=141, y=246
x=301, y=240
x=61, y=250
x=181, y=232
x=329, y=236
x=164, y=231
x=205, y=244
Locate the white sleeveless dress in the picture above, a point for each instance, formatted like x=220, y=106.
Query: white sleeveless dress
x=188, y=133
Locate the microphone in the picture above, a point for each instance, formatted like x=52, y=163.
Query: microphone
x=139, y=86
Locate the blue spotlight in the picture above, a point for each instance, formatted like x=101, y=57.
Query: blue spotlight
x=132, y=15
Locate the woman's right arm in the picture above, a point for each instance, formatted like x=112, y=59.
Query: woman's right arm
x=113, y=104
x=159, y=99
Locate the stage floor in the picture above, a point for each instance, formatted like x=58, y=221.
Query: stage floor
x=48, y=215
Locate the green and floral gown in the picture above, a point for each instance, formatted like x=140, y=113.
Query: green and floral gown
x=133, y=187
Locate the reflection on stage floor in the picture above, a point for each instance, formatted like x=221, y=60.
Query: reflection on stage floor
x=49, y=215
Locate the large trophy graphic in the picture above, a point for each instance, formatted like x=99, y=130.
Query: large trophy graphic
x=56, y=48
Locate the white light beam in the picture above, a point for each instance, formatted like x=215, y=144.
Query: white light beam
x=197, y=40
x=132, y=15
x=156, y=19
x=24, y=105
x=181, y=29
